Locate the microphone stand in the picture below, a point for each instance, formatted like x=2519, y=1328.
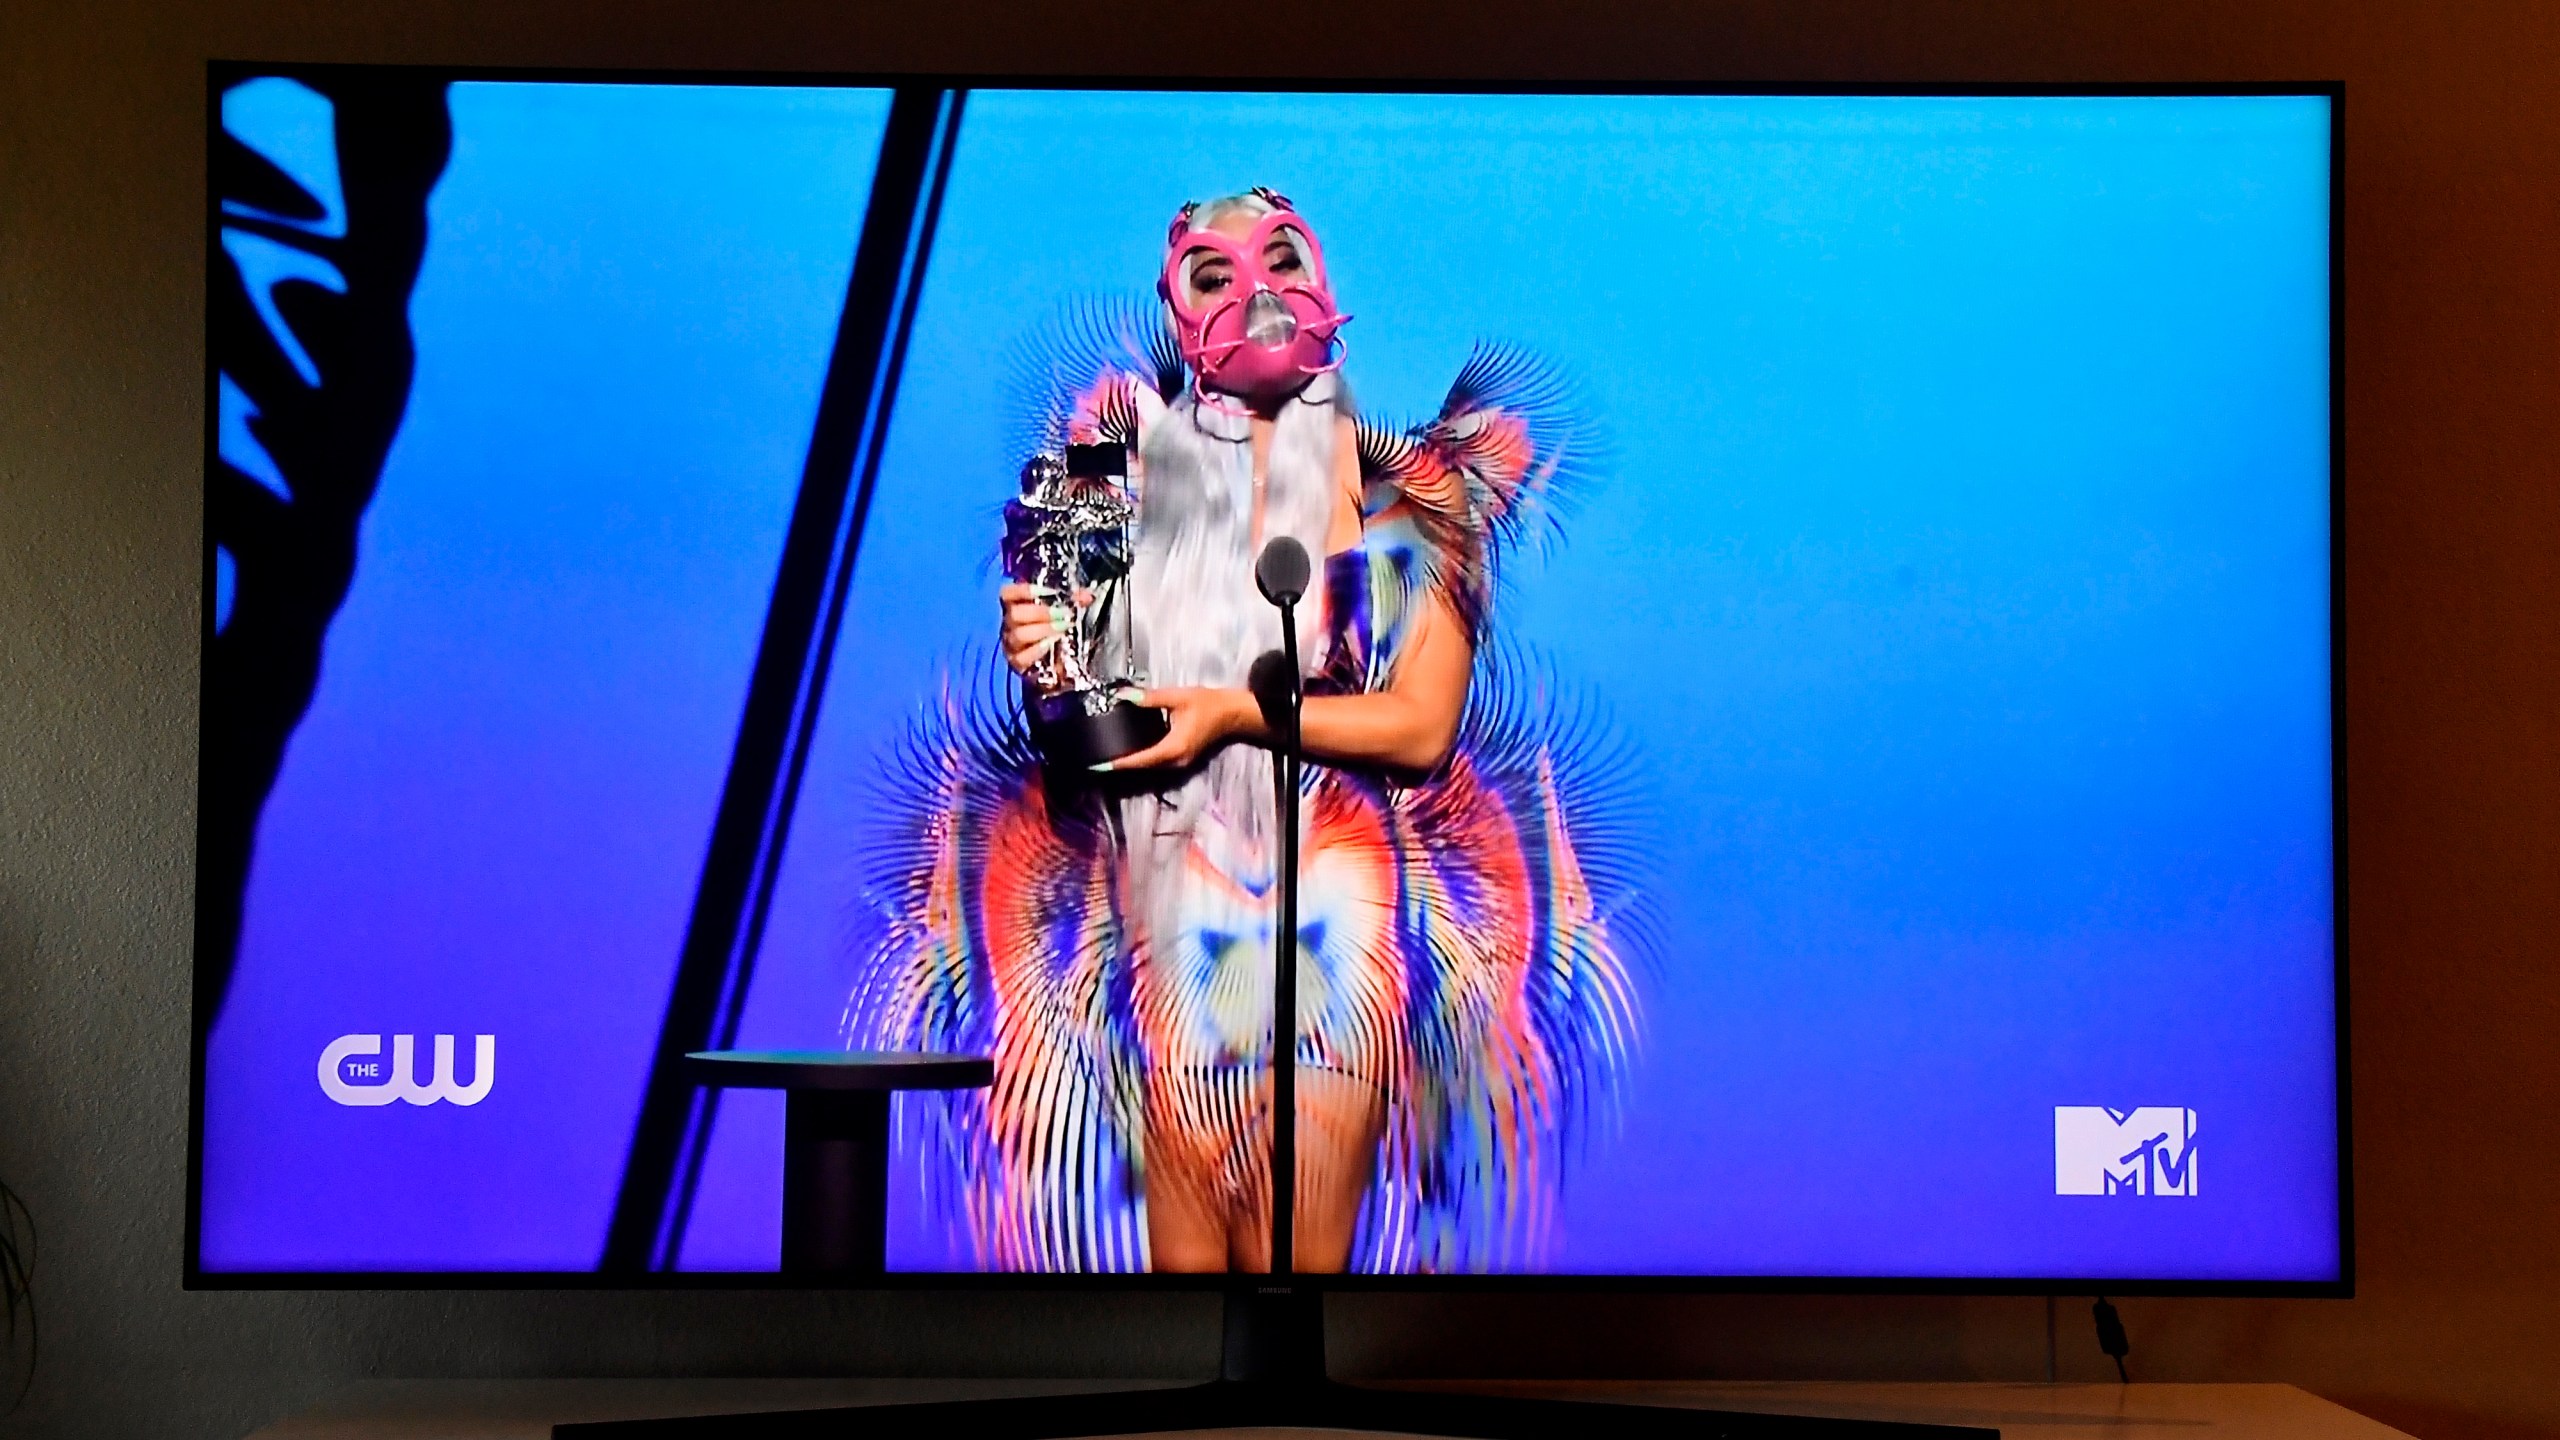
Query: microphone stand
x=1274, y=1330
x=1286, y=760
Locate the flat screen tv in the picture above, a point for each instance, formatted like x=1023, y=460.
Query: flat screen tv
x=1818, y=654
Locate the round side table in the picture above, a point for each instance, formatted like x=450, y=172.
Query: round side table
x=835, y=1140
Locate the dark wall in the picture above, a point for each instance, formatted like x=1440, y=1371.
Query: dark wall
x=2453, y=656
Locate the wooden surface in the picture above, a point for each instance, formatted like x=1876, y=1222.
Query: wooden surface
x=526, y=1409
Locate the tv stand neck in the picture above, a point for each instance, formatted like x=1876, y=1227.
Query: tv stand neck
x=1274, y=1335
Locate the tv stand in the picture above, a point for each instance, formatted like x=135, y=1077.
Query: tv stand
x=1271, y=1374
x=1274, y=1336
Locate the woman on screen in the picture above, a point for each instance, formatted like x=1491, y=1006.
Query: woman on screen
x=1462, y=996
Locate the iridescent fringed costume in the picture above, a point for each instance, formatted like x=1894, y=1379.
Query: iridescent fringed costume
x=1463, y=935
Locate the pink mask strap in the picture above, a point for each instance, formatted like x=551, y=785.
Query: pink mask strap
x=1341, y=347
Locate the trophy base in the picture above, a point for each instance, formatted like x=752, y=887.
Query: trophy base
x=1070, y=736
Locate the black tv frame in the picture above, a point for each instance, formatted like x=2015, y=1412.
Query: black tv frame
x=220, y=74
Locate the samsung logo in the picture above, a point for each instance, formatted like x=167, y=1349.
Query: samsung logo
x=351, y=1074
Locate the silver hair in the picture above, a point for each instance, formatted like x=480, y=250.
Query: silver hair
x=1210, y=212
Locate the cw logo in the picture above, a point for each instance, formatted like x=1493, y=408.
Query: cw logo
x=350, y=1079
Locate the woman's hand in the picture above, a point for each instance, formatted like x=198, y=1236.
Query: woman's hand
x=1200, y=719
x=1034, y=619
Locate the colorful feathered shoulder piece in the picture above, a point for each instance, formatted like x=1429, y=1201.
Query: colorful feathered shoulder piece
x=1096, y=369
x=1495, y=470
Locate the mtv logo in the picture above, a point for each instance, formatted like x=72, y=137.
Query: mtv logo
x=2101, y=1151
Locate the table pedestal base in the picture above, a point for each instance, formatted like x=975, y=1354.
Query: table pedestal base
x=835, y=1182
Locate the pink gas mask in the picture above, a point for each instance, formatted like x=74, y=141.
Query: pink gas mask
x=1254, y=317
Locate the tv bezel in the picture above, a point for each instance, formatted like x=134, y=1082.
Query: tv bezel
x=220, y=74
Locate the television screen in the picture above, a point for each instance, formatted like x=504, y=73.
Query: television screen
x=1817, y=662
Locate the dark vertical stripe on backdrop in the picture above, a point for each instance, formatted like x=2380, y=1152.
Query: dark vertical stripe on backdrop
x=783, y=692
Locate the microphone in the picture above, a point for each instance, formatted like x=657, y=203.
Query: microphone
x=1283, y=572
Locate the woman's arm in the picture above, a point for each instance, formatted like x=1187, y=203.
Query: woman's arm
x=1410, y=725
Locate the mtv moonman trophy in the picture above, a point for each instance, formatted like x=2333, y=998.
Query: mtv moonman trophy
x=1070, y=537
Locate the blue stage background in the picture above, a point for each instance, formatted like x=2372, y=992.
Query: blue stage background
x=1961, y=582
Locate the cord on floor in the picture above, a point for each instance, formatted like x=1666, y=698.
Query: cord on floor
x=2111, y=1337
